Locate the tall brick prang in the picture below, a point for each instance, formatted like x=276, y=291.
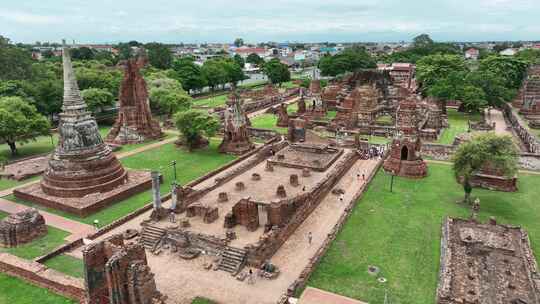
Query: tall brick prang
x=134, y=123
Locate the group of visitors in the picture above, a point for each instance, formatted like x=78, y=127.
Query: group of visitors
x=373, y=152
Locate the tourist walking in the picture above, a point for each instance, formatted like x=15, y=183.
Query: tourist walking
x=251, y=279
x=341, y=198
x=309, y=238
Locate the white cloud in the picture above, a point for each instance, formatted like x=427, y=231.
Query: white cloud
x=29, y=18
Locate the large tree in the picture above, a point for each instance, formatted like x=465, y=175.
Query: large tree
x=496, y=152
x=189, y=74
x=511, y=69
x=159, y=55
x=167, y=95
x=276, y=71
x=214, y=73
x=15, y=62
x=97, y=99
x=193, y=125
x=20, y=122
x=238, y=42
x=255, y=59
x=422, y=40
x=433, y=68
x=349, y=60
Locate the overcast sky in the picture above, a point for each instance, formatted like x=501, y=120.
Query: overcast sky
x=96, y=21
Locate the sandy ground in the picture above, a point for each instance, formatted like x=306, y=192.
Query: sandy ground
x=183, y=280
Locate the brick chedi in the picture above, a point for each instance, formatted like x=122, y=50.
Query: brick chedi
x=81, y=163
x=83, y=174
x=404, y=159
x=22, y=227
x=118, y=273
x=235, y=134
x=134, y=123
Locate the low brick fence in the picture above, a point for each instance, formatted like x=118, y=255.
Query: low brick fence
x=438, y=151
x=42, y=276
x=301, y=281
x=529, y=140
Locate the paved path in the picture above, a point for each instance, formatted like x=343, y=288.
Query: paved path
x=263, y=111
x=497, y=117
x=76, y=229
x=145, y=148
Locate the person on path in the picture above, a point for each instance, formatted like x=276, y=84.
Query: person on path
x=309, y=238
x=251, y=279
x=341, y=198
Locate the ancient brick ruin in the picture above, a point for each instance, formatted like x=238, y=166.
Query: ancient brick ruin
x=486, y=263
x=117, y=272
x=21, y=228
x=83, y=174
x=404, y=159
x=134, y=123
x=235, y=132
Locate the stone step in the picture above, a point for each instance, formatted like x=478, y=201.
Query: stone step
x=233, y=255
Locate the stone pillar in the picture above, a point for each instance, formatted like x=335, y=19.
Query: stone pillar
x=174, y=196
x=155, y=189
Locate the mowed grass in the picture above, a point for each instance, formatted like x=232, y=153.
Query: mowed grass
x=200, y=300
x=67, y=264
x=41, y=145
x=53, y=239
x=400, y=233
x=190, y=165
x=17, y=291
x=211, y=102
x=267, y=121
x=458, y=124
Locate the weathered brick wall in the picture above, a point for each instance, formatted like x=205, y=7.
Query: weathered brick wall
x=529, y=140
x=39, y=275
x=437, y=151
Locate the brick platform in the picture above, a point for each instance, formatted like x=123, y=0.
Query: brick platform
x=137, y=181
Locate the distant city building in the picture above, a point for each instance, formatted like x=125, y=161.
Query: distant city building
x=508, y=52
x=472, y=54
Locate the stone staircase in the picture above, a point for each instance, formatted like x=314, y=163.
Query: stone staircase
x=232, y=260
x=151, y=235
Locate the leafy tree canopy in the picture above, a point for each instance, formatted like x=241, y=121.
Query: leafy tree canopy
x=487, y=150
x=349, y=60
x=276, y=71
x=96, y=99
x=20, y=122
x=193, y=125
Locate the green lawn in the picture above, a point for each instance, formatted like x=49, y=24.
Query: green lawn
x=53, y=239
x=41, y=145
x=32, y=147
x=400, y=233
x=189, y=167
x=211, y=102
x=67, y=264
x=267, y=121
x=16, y=291
x=457, y=125
x=200, y=300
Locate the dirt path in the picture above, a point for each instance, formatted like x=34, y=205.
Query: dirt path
x=497, y=117
x=78, y=230
x=262, y=111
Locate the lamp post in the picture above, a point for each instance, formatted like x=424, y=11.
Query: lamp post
x=392, y=174
x=173, y=164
